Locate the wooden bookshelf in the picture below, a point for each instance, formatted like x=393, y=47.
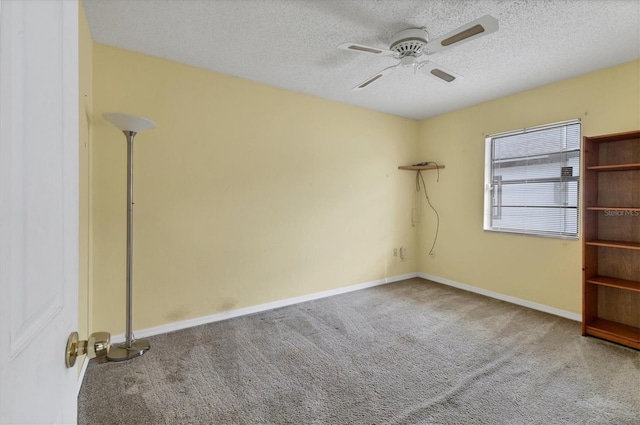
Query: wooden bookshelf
x=611, y=238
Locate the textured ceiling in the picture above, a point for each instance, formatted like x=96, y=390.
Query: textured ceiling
x=291, y=44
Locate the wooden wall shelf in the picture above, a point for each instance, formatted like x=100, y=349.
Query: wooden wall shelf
x=611, y=238
x=420, y=167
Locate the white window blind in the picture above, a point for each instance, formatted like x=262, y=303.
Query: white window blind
x=532, y=181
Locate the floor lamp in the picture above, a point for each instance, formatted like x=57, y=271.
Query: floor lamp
x=130, y=126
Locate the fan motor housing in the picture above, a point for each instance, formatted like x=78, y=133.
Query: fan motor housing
x=409, y=42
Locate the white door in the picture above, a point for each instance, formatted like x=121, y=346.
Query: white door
x=38, y=209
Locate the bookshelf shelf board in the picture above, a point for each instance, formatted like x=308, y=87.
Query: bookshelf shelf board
x=620, y=167
x=614, y=244
x=630, y=209
x=614, y=331
x=627, y=285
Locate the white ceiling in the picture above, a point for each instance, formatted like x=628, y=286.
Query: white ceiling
x=291, y=44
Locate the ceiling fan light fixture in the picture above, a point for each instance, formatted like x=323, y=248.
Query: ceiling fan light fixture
x=442, y=75
x=470, y=32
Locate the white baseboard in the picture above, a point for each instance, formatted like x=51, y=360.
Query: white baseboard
x=83, y=370
x=502, y=297
x=175, y=326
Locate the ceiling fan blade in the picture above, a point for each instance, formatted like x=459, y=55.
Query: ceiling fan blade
x=355, y=47
x=440, y=72
x=474, y=29
x=373, y=78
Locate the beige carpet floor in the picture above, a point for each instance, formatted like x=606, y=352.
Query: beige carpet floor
x=410, y=352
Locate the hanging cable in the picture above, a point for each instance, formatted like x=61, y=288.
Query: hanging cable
x=418, y=179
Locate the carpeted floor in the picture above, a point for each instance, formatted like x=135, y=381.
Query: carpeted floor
x=411, y=352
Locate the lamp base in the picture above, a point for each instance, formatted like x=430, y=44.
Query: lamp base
x=121, y=352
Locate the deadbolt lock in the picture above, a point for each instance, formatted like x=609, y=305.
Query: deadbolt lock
x=97, y=345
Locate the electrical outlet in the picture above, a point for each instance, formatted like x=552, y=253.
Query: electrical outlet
x=395, y=252
x=403, y=253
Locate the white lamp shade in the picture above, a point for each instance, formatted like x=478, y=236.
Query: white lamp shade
x=126, y=122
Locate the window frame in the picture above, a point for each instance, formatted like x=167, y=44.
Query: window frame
x=491, y=189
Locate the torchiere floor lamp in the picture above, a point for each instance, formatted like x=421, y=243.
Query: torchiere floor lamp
x=130, y=126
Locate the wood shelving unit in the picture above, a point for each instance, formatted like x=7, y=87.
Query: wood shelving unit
x=420, y=167
x=611, y=238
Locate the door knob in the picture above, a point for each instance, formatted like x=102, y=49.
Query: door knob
x=97, y=345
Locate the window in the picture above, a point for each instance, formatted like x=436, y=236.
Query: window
x=532, y=181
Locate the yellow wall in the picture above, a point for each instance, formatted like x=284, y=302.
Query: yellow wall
x=247, y=194
x=85, y=47
x=545, y=271
x=244, y=193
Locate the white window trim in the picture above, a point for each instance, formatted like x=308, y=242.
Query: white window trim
x=487, y=226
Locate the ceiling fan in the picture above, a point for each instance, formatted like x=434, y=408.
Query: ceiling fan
x=409, y=45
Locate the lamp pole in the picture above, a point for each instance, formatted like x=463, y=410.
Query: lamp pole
x=129, y=333
x=130, y=126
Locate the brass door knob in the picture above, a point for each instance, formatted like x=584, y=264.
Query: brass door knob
x=97, y=345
